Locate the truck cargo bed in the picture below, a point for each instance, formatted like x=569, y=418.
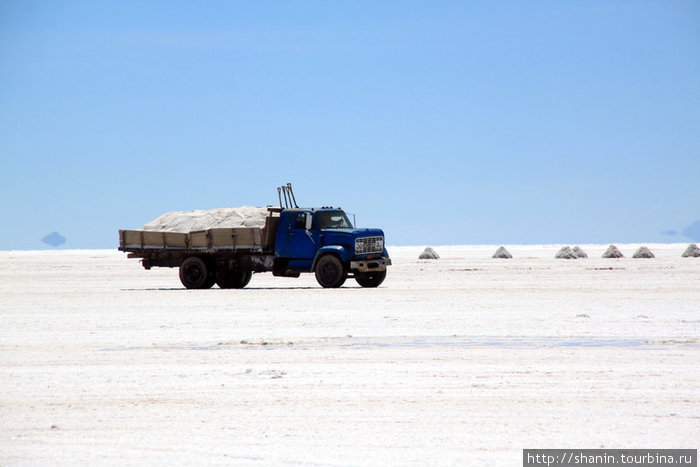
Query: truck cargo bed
x=248, y=239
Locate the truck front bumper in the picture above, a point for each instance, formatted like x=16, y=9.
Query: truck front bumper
x=370, y=265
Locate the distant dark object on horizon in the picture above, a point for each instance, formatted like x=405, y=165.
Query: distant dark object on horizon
x=643, y=252
x=502, y=253
x=613, y=252
x=54, y=239
x=693, y=231
x=429, y=253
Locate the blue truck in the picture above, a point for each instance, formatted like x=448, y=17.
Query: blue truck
x=293, y=240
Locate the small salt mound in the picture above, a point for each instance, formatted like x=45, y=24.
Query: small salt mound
x=613, y=252
x=643, y=252
x=181, y=221
x=692, y=251
x=502, y=253
x=565, y=253
x=429, y=253
x=578, y=252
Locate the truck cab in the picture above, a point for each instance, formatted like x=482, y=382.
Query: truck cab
x=324, y=241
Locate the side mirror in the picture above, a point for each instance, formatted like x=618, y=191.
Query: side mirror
x=309, y=221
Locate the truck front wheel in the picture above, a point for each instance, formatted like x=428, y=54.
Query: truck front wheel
x=370, y=279
x=330, y=272
x=194, y=274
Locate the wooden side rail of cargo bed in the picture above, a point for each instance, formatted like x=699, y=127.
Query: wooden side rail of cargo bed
x=231, y=239
x=130, y=240
x=226, y=239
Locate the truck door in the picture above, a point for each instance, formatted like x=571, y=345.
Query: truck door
x=300, y=242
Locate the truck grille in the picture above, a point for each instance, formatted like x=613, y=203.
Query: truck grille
x=368, y=245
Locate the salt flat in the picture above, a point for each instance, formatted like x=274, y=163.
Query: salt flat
x=461, y=361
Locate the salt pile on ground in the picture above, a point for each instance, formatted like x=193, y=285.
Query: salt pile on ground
x=579, y=253
x=502, y=253
x=429, y=253
x=188, y=221
x=613, y=252
x=565, y=253
x=692, y=251
x=643, y=252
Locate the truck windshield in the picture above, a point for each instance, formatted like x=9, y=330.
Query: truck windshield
x=333, y=220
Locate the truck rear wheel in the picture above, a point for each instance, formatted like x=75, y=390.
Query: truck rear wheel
x=330, y=272
x=194, y=274
x=370, y=279
x=233, y=278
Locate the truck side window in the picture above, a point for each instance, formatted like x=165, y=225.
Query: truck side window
x=300, y=222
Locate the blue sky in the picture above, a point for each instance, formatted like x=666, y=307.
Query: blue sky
x=440, y=122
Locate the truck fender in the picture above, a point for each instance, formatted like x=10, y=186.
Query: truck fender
x=338, y=250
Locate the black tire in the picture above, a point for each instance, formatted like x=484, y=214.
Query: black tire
x=233, y=278
x=330, y=272
x=245, y=278
x=370, y=279
x=210, y=282
x=194, y=274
